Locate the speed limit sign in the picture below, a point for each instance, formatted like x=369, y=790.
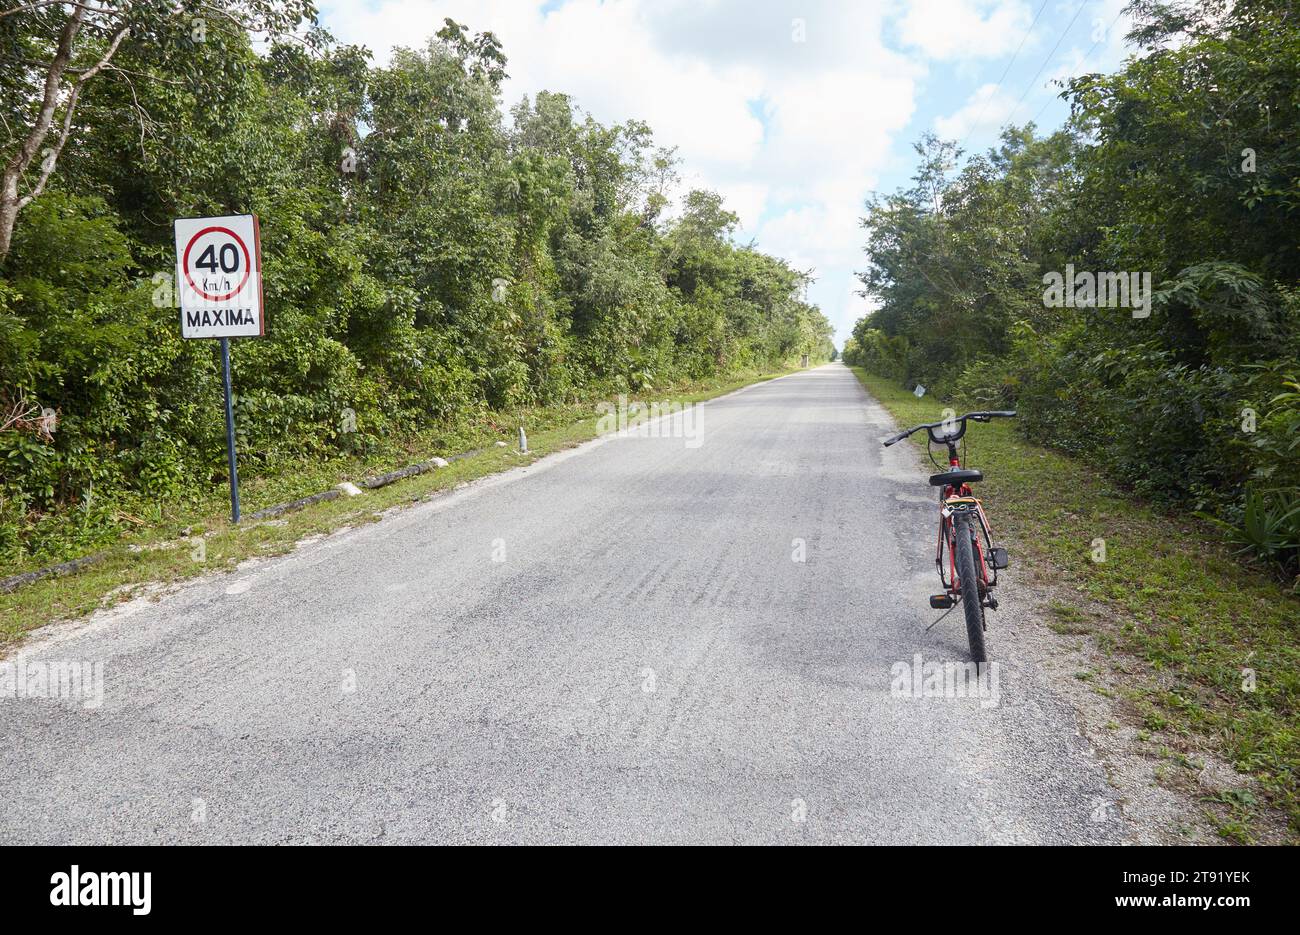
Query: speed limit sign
x=219, y=277
x=219, y=280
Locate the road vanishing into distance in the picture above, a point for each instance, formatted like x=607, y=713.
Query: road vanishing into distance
x=618, y=643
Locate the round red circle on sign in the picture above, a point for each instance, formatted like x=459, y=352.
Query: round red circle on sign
x=185, y=263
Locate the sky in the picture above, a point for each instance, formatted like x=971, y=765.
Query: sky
x=794, y=110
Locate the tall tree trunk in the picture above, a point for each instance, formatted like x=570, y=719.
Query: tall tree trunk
x=8, y=212
x=10, y=203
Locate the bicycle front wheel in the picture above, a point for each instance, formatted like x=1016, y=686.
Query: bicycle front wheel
x=968, y=578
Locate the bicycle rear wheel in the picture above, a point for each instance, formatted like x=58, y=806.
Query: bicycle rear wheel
x=968, y=576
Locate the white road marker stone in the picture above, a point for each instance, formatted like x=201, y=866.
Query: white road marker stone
x=349, y=488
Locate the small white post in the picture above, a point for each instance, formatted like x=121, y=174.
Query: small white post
x=523, y=440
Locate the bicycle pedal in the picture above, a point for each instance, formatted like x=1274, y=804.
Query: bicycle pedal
x=999, y=558
x=941, y=601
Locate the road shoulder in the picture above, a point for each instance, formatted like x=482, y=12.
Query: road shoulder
x=1106, y=637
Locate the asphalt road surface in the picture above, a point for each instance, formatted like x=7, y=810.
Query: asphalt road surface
x=617, y=644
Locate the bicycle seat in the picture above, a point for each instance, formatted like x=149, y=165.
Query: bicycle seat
x=956, y=478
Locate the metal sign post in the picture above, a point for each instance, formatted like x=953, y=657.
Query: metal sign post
x=230, y=432
x=219, y=282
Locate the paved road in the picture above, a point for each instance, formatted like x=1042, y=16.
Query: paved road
x=648, y=663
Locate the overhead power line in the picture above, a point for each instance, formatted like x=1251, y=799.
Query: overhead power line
x=1065, y=32
x=1005, y=72
x=1086, y=55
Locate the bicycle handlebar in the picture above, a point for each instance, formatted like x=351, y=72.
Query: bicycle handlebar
x=980, y=416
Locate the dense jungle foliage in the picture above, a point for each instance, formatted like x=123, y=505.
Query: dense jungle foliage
x=426, y=257
x=1184, y=164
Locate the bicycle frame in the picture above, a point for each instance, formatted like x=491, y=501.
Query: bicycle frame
x=950, y=504
x=962, y=514
x=952, y=501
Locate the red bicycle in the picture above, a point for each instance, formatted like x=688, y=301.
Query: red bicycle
x=965, y=539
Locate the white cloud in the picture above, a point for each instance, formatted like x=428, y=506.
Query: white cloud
x=962, y=29
x=988, y=108
x=746, y=199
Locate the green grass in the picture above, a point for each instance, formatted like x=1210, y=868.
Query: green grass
x=163, y=547
x=1179, y=617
